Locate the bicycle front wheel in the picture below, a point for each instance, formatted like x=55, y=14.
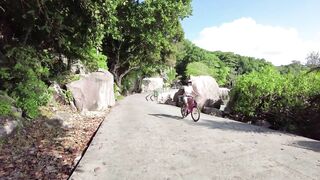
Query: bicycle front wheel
x=195, y=114
x=183, y=111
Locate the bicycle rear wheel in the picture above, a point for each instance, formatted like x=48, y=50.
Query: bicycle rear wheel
x=195, y=114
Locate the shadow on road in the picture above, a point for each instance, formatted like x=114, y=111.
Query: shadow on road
x=310, y=145
x=227, y=125
x=230, y=125
x=166, y=116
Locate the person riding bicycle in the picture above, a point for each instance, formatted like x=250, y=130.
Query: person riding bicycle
x=190, y=106
x=188, y=91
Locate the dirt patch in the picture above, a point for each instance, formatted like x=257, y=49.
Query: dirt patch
x=40, y=150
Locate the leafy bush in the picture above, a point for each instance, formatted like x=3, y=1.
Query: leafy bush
x=217, y=71
x=67, y=95
x=253, y=85
x=170, y=76
x=23, y=78
x=283, y=100
x=198, y=68
x=5, y=108
x=31, y=94
x=94, y=59
x=66, y=78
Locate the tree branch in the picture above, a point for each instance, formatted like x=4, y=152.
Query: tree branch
x=128, y=70
x=27, y=35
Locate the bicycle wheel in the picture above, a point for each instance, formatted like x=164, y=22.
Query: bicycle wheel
x=195, y=114
x=183, y=112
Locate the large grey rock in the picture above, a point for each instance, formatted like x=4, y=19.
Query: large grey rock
x=206, y=88
x=16, y=112
x=212, y=111
x=224, y=93
x=213, y=104
x=7, y=126
x=177, y=97
x=60, y=119
x=78, y=68
x=93, y=92
x=58, y=93
x=165, y=95
x=263, y=123
x=151, y=84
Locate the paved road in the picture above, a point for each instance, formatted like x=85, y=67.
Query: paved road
x=145, y=140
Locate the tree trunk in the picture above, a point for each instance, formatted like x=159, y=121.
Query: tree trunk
x=118, y=81
x=118, y=77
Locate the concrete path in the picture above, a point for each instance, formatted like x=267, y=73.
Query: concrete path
x=145, y=140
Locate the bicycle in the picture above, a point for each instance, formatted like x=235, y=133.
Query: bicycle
x=192, y=109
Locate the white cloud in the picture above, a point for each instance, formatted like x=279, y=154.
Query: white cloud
x=245, y=36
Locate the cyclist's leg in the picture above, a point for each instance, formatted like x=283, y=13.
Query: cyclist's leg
x=185, y=101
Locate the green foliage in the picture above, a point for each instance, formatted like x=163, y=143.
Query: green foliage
x=67, y=95
x=251, y=90
x=220, y=73
x=94, y=59
x=117, y=93
x=31, y=94
x=42, y=39
x=170, y=76
x=23, y=78
x=66, y=78
x=193, y=60
x=62, y=26
x=24, y=58
x=198, y=69
x=223, y=66
x=294, y=68
x=5, y=108
x=131, y=82
x=144, y=35
x=283, y=100
x=242, y=64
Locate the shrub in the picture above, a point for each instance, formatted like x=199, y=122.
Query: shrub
x=199, y=68
x=5, y=108
x=31, y=94
x=289, y=102
x=170, y=76
x=23, y=78
x=215, y=69
x=94, y=59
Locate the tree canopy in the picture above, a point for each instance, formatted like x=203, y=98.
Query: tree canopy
x=223, y=66
x=40, y=40
x=146, y=33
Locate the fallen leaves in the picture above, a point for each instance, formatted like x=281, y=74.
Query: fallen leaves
x=39, y=151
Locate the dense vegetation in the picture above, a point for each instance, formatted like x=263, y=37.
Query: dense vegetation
x=223, y=66
x=288, y=96
x=41, y=40
x=288, y=99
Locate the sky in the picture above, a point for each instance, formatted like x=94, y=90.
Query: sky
x=279, y=31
